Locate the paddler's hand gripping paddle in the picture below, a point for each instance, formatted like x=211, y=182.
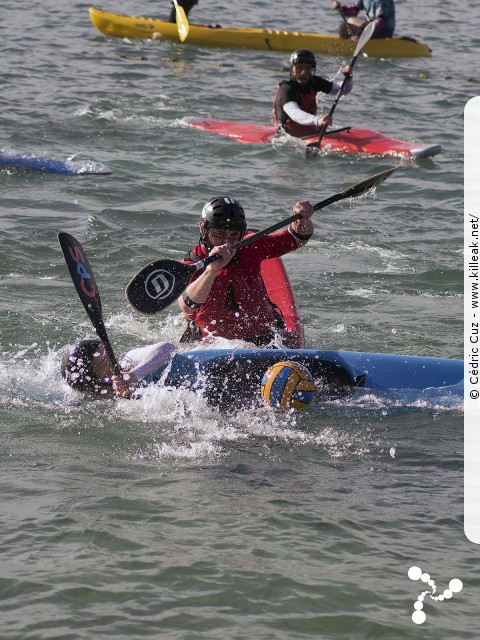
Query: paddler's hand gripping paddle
x=161, y=282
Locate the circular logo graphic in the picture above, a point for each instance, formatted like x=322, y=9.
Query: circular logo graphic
x=159, y=284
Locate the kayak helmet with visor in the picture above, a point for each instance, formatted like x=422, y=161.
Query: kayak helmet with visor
x=222, y=212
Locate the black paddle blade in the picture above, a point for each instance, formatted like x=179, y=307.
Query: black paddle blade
x=82, y=276
x=158, y=284
x=356, y=189
x=365, y=185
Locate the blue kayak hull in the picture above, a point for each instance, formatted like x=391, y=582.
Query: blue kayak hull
x=30, y=162
x=226, y=376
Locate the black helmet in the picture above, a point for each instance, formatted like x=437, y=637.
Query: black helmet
x=223, y=212
x=303, y=56
x=77, y=368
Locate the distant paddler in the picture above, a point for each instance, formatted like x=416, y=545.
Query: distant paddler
x=380, y=12
x=295, y=103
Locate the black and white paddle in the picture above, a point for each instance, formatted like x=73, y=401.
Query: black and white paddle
x=84, y=281
x=364, y=38
x=161, y=282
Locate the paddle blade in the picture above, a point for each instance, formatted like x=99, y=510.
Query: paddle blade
x=183, y=25
x=158, y=284
x=357, y=189
x=369, y=183
x=82, y=276
x=367, y=33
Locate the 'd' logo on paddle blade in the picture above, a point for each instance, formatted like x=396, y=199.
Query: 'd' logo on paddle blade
x=159, y=284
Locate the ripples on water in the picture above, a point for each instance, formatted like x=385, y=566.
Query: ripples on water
x=164, y=516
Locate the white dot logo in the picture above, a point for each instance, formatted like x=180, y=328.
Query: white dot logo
x=415, y=573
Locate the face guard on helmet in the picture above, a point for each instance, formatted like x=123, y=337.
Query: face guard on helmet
x=222, y=212
x=303, y=56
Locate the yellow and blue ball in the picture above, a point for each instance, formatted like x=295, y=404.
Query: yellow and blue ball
x=287, y=385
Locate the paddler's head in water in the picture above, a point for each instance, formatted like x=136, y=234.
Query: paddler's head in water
x=223, y=222
x=87, y=368
x=302, y=65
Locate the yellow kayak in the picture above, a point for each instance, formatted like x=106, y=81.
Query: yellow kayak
x=121, y=26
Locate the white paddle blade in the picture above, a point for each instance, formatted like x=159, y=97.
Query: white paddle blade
x=367, y=33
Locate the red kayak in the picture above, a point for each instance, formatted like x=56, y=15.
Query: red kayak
x=345, y=140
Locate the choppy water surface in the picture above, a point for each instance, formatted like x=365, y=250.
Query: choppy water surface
x=164, y=517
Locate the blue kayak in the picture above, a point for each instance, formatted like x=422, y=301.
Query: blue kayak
x=30, y=162
x=229, y=376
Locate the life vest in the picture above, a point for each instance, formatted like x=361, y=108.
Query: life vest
x=306, y=101
x=238, y=306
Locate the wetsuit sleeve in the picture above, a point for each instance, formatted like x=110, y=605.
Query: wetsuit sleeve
x=322, y=85
x=296, y=114
x=150, y=358
x=338, y=85
x=379, y=25
x=278, y=244
x=351, y=9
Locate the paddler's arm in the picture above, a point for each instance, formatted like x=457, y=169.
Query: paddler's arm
x=145, y=360
x=197, y=292
x=302, y=229
x=293, y=111
x=336, y=86
x=347, y=10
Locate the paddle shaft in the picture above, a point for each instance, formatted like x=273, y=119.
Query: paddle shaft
x=160, y=283
x=84, y=281
x=274, y=227
x=351, y=192
x=364, y=38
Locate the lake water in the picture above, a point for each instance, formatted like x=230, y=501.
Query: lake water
x=164, y=517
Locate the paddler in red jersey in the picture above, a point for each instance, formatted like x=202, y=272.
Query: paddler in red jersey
x=295, y=103
x=228, y=298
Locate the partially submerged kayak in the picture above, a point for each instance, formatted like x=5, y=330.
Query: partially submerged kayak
x=44, y=164
x=345, y=140
x=229, y=377
x=123, y=26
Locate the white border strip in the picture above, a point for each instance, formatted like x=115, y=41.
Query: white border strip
x=472, y=320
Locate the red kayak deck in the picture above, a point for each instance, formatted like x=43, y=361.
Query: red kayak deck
x=345, y=141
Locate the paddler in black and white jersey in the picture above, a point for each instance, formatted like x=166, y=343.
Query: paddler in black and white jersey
x=87, y=368
x=295, y=104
